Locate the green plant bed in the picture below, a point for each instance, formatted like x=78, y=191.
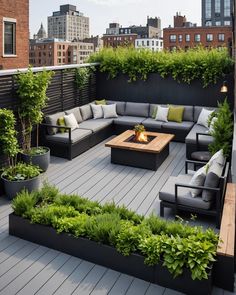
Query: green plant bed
x=175, y=245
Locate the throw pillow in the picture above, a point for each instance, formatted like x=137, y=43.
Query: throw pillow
x=100, y=102
x=212, y=180
x=204, y=117
x=154, y=113
x=61, y=122
x=175, y=114
x=97, y=111
x=77, y=113
x=218, y=157
x=198, y=179
x=211, y=128
x=162, y=114
x=109, y=111
x=86, y=112
x=71, y=121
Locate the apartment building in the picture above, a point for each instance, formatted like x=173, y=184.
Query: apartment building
x=14, y=34
x=54, y=52
x=154, y=44
x=68, y=24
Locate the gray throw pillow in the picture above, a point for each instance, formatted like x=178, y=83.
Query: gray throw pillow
x=86, y=112
x=212, y=180
x=52, y=120
x=77, y=114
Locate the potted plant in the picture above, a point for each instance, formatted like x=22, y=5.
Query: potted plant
x=222, y=129
x=32, y=92
x=138, y=129
x=16, y=176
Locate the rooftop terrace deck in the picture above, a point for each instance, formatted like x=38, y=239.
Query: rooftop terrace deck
x=27, y=268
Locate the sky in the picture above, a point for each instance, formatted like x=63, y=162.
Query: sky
x=125, y=12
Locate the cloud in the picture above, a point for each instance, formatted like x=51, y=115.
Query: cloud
x=114, y=2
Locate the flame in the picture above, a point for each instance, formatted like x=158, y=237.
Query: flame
x=142, y=137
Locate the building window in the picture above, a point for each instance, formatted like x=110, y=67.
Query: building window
x=208, y=23
x=180, y=38
x=208, y=9
x=172, y=38
x=221, y=37
x=9, y=37
x=147, y=42
x=209, y=37
x=218, y=23
x=197, y=37
x=227, y=23
x=187, y=38
x=226, y=7
x=217, y=7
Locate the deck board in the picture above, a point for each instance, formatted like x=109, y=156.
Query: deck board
x=27, y=268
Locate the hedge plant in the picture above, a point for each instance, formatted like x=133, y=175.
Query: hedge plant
x=173, y=244
x=198, y=63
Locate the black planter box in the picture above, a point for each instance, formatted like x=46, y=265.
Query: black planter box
x=106, y=256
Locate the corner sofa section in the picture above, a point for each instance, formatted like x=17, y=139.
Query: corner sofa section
x=92, y=131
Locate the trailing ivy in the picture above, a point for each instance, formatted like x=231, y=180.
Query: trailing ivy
x=198, y=63
x=82, y=76
x=175, y=245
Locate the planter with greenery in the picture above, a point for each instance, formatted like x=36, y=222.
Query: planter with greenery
x=169, y=253
x=222, y=129
x=15, y=176
x=32, y=88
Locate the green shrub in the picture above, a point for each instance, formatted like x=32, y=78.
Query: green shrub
x=23, y=203
x=47, y=194
x=151, y=248
x=198, y=63
x=21, y=171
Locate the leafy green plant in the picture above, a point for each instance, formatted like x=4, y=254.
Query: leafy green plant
x=198, y=63
x=82, y=76
x=139, y=128
x=32, y=88
x=222, y=130
x=8, y=140
x=36, y=151
x=176, y=245
x=21, y=171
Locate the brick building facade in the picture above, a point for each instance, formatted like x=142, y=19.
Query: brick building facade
x=54, y=52
x=14, y=34
x=119, y=40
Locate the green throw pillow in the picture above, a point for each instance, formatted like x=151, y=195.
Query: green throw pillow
x=175, y=114
x=101, y=102
x=61, y=122
x=154, y=113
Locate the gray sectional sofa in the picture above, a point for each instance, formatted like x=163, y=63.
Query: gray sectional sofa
x=92, y=131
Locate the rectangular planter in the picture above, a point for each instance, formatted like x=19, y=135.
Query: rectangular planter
x=106, y=256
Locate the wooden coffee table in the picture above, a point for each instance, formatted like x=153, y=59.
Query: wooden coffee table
x=149, y=156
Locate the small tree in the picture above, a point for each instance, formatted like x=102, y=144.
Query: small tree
x=222, y=130
x=8, y=139
x=32, y=92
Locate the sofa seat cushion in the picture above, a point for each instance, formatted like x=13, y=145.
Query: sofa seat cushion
x=184, y=125
x=185, y=198
x=128, y=120
x=95, y=125
x=76, y=135
x=151, y=123
x=137, y=109
x=203, y=140
x=120, y=106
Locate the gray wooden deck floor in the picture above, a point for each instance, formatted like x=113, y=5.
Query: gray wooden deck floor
x=27, y=268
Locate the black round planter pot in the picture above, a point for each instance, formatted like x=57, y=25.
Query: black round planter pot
x=39, y=160
x=13, y=187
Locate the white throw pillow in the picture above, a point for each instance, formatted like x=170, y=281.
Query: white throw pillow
x=109, y=111
x=162, y=114
x=198, y=179
x=204, y=117
x=97, y=111
x=216, y=168
x=218, y=157
x=71, y=121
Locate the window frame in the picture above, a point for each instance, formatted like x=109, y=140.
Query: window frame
x=211, y=39
x=12, y=21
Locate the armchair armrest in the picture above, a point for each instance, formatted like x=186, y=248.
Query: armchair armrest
x=59, y=127
x=187, y=162
x=197, y=137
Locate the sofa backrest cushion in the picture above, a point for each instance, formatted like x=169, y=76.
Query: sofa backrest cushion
x=198, y=109
x=86, y=112
x=77, y=114
x=120, y=106
x=52, y=120
x=137, y=109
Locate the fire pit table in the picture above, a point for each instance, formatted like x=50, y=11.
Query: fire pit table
x=148, y=154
